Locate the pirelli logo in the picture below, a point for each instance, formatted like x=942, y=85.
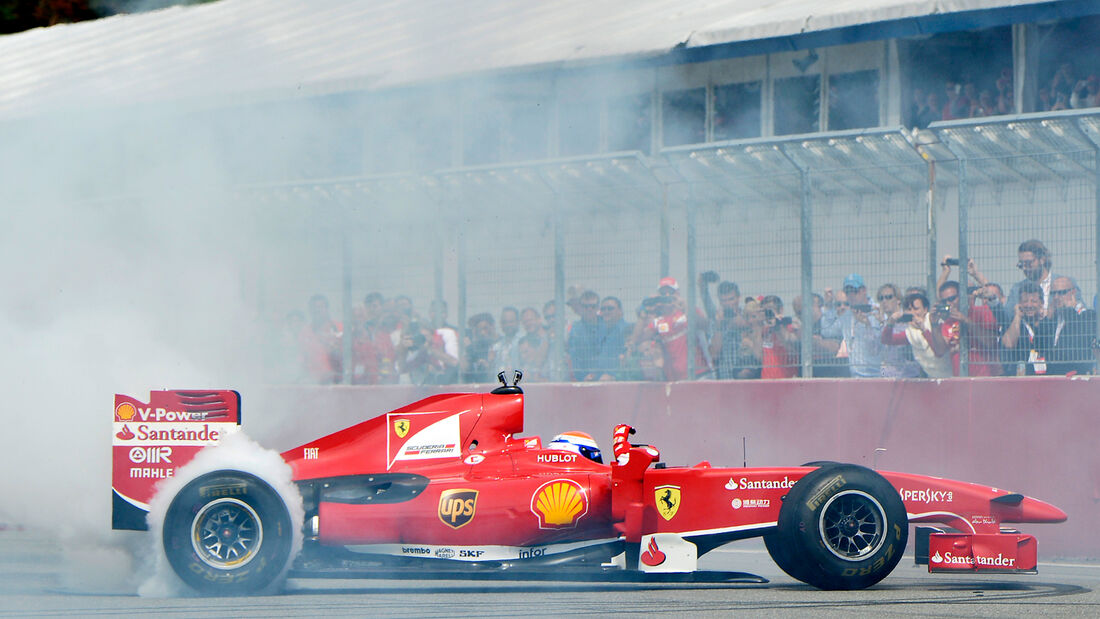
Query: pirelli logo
x=826, y=490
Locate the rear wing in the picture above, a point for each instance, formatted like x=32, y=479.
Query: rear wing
x=151, y=440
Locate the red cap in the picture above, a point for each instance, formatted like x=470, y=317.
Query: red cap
x=670, y=282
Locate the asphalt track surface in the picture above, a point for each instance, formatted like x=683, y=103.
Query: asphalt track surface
x=37, y=579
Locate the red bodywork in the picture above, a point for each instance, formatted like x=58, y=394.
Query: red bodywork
x=514, y=491
x=447, y=477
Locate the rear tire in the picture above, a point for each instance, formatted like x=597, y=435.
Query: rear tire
x=228, y=533
x=840, y=527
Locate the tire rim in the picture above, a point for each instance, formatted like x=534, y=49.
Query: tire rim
x=226, y=534
x=852, y=525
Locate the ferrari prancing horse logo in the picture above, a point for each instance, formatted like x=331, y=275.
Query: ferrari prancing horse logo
x=667, y=500
x=401, y=427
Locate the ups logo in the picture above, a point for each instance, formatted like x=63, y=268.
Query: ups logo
x=457, y=507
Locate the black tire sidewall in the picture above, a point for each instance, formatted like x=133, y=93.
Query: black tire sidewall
x=274, y=549
x=798, y=528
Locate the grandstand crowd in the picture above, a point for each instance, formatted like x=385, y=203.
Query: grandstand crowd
x=1040, y=326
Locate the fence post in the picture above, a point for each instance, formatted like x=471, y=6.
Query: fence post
x=806, y=223
x=558, y=372
x=964, y=276
x=460, y=263
x=345, y=292
x=692, y=317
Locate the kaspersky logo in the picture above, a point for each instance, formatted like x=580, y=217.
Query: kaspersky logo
x=559, y=504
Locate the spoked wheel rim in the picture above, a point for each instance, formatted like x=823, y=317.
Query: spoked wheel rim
x=226, y=534
x=852, y=525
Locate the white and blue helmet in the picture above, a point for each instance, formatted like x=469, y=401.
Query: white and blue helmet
x=579, y=443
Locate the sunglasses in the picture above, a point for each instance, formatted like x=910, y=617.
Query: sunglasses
x=608, y=308
x=1059, y=293
x=850, y=290
x=950, y=299
x=1024, y=264
x=590, y=305
x=885, y=297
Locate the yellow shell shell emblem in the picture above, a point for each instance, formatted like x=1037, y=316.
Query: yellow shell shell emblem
x=667, y=499
x=401, y=427
x=125, y=411
x=559, y=504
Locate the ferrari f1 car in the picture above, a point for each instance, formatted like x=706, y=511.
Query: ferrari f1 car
x=446, y=485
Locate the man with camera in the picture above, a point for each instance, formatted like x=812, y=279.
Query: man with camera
x=1071, y=331
x=727, y=324
x=981, y=332
x=856, y=323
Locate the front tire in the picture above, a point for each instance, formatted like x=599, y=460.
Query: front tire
x=228, y=533
x=840, y=527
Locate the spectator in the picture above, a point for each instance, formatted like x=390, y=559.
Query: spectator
x=1035, y=262
x=958, y=105
x=421, y=359
x=897, y=361
x=504, y=355
x=1070, y=332
x=925, y=339
x=320, y=342
x=826, y=362
x=387, y=336
x=1023, y=340
x=932, y=111
x=482, y=335
x=752, y=341
x=779, y=341
x=981, y=330
x=728, y=324
x=857, y=325
x=585, y=338
x=613, y=347
x=446, y=336
x=669, y=328
x=537, y=340
x=553, y=362
x=363, y=352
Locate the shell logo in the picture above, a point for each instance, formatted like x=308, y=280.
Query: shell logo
x=125, y=411
x=559, y=504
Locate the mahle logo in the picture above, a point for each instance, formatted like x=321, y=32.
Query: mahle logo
x=457, y=507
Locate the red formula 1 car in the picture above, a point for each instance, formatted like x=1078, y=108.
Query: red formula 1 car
x=445, y=485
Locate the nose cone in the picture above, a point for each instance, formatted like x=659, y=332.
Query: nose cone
x=1033, y=510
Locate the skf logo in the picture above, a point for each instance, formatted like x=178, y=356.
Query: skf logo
x=559, y=504
x=125, y=412
x=401, y=427
x=457, y=507
x=668, y=500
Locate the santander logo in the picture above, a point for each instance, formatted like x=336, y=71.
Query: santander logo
x=125, y=434
x=652, y=555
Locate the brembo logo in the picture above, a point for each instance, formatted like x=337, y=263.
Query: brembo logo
x=927, y=495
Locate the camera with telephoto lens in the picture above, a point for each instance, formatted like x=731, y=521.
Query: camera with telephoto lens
x=905, y=318
x=941, y=310
x=416, y=336
x=952, y=262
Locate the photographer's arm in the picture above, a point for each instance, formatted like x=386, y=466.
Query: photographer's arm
x=1012, y=333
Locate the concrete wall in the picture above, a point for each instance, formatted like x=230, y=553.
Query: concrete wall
x=1036, y=436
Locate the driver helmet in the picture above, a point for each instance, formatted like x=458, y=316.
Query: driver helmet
x=579, y=443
